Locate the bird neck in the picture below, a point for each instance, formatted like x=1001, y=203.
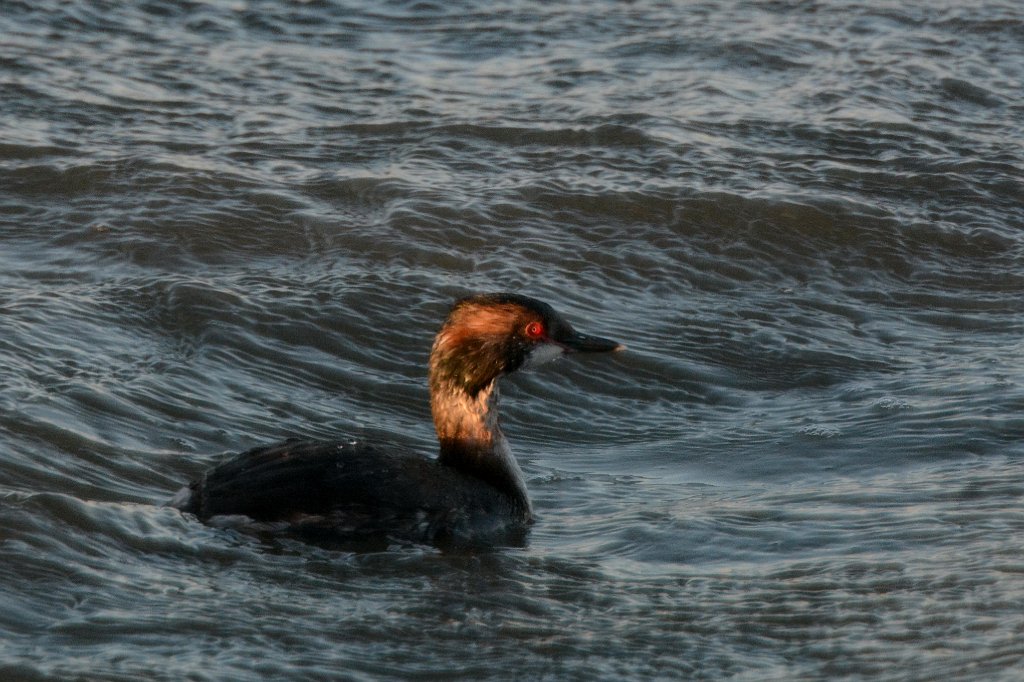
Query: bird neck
x=471, y=439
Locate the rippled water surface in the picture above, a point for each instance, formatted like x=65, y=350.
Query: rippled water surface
x=226, y=223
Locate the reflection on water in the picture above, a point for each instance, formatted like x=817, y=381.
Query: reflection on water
x=223, y=224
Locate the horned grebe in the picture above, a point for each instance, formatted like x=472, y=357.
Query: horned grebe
x=473, y=489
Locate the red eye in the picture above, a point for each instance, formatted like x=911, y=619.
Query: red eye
x=534, y=330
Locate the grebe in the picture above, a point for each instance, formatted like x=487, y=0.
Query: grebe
x=474, y=488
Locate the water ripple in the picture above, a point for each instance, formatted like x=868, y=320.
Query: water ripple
x=227, y=223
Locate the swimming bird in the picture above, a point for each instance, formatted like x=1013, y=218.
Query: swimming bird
x=474, y=488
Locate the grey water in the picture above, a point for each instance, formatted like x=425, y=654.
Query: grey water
x=230, y=222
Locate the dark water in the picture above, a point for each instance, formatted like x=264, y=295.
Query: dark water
x=224, y=223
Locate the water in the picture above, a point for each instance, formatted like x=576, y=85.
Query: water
x=225, y=223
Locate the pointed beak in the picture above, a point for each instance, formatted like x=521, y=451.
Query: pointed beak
x=573, y=341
